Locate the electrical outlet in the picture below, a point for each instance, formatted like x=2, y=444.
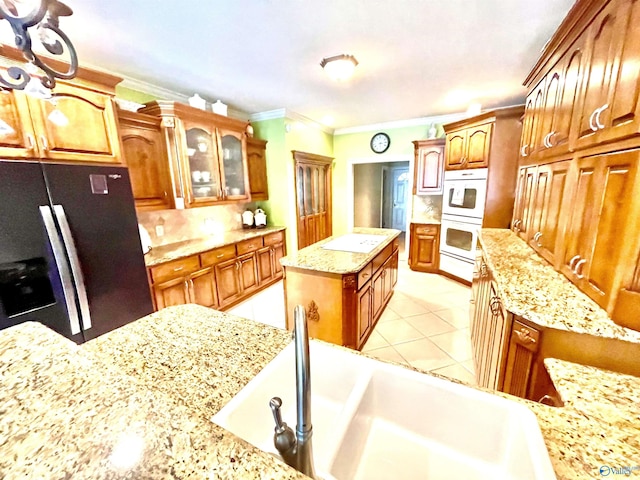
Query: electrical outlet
x=159, y=230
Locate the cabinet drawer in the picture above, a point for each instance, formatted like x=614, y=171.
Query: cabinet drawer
x=364, y=275
x=218, y=255
x=426, y=229
x=273, y=238
x=382, y=257
x=250, y=245
x=174, y=269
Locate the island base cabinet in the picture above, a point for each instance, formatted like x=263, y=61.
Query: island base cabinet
x=342, y=308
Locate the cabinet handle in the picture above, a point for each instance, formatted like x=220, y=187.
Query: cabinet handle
x=365, y=275
x=237, y=265
x=545, y=140
x=45, y=144
x=165, y=194
x=220, y=256
x=598, y=112
x=551, y=135
x=578, y=268
x=31, y=141
x=191, y=283
x=535, y=237
x=593, y=127
x=572, y=261
x=538, y=239
x=178, y=269
x=186, y=292
x=524, y=335
x=523, y=151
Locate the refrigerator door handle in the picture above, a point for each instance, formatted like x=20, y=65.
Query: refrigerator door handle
x=76, y=271
x=65, y=275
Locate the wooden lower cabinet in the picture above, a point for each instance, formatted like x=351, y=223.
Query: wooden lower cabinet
x=424, y=252
x=343, y=308
x=222, y=277
x=505, y=348
x=521, y=362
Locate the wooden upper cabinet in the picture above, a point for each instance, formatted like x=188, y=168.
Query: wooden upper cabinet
x=571, y=68
x=428, y=167
x=527, y=129
x=468, y=148
x=76, y=124
x=478, y=143
x=535, y=142
x=257, y=166
x=233, y=167
x=208, y=150
x=600, y=188
x=17, y=137
x=455, y=149
x=143, y=151
x=601, y=67
x=622, y=116
x=548, y=208
x=524, y=196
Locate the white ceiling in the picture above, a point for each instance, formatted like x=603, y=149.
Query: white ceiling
x=417, y=57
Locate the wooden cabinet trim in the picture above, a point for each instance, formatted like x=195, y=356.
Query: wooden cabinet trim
x=181, y=267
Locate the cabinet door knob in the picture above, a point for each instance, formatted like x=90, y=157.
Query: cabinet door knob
x=523, y=151
x=45, y=143
x=598, y=112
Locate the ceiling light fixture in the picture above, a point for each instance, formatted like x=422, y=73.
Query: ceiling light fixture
x=339, y=67
x=44, y=15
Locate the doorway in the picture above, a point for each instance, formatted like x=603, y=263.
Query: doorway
x=381, y=195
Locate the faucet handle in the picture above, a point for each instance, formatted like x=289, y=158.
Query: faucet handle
x=275, y=403
x=284, y=439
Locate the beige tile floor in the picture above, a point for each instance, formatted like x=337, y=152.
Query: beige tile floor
x=425, y=324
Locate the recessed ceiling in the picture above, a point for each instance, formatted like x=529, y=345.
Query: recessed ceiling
x=417, y=57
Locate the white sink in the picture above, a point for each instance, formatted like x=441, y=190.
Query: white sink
x=374, y=420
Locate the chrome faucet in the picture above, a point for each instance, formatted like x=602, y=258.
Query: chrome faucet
x=296, y=448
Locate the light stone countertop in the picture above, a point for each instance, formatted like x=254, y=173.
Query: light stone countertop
x=159, y=380
x=149, y=387
x=315, y=258
x=174, y=251
x=530, y=287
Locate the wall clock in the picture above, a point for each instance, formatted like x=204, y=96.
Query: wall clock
x=380, y=142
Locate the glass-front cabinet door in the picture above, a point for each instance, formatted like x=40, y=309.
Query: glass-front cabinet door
x=203, y=177
x=233, y=165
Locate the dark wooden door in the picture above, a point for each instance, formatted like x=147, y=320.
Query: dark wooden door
x=313, y=197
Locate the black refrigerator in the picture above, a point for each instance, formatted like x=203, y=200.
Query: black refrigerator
x=70, y=252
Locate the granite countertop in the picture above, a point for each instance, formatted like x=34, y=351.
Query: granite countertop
x=530, y=287
x=316, y=258
x=136, y=403
x=174, y=251
x=601, y=419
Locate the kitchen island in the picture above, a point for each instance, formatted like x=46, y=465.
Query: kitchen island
x=344, y=283
x=136, y=403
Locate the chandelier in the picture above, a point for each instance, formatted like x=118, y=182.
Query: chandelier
x=44, y=16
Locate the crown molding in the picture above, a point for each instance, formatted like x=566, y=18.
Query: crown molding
x=145, y=87
x=290, y=115
x=411, y=122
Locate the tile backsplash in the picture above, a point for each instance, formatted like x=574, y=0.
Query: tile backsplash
x=426, y=208
x=179, y=225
